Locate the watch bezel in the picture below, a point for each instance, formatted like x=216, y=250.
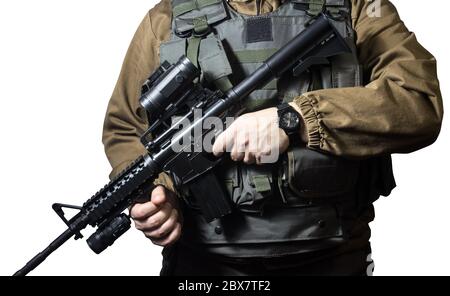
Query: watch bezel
x=284, y=109
x=294, y=115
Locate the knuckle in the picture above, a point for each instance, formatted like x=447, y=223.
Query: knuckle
x=235, y=123
x=177, y=232
x=262, y=154
x=243, y=118
x=138, y=226
x=133, y=210
x=233, y=155
x=175, y=214
x=136, y=212
x=167, y=242
x=248, y=161
x=219, y=139
x=235, y=151
x=234, y=158
x=267, y=151
x=160, y=233
x=153, y=222
x=152, y=235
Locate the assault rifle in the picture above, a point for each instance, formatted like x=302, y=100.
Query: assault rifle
x=173, y=90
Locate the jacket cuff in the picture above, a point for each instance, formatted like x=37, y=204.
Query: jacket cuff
x=166, y=181
x=118, y=169
x=307, y=105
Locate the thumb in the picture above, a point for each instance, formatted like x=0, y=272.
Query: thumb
x=159, y=196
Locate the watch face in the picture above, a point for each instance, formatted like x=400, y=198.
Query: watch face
x=290, y=120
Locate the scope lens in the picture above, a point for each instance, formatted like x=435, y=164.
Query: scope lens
x=170, y=86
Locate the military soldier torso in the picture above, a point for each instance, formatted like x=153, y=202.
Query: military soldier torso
x=307, y=196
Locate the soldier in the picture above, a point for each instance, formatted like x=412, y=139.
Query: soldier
x=309, y=213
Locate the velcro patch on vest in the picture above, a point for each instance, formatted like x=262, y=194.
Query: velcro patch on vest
x=259, y=29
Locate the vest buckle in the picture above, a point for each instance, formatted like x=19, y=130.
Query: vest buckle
x=202, y=33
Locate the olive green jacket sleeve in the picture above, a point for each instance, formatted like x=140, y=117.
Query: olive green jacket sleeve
x=399, y=110
x=125, y=120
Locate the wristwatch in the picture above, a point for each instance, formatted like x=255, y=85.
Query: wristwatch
x=289, y=121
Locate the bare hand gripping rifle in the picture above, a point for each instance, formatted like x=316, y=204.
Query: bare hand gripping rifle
x=172, y=91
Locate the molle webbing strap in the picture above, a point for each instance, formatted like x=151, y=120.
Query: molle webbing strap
x=223, y=83
x=314, y=7
x=182, y=7
x=257, y=56
x=201, y=26
x=193, y=49
x=262, y=183
x=271, y=85
x=254, y=56
x=196, y=15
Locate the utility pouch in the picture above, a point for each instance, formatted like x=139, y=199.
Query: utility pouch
x=308, y=176
x=189, y=15
x=249, y=186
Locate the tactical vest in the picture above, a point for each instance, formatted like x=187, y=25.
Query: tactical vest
x=307, y=195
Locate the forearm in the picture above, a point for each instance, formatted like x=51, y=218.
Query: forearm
x=400, y=108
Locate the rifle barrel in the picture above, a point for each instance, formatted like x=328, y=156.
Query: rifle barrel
x=39, y=258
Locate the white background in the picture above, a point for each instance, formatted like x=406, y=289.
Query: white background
x=59, y=61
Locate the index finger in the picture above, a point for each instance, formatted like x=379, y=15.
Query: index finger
x=224, y=142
